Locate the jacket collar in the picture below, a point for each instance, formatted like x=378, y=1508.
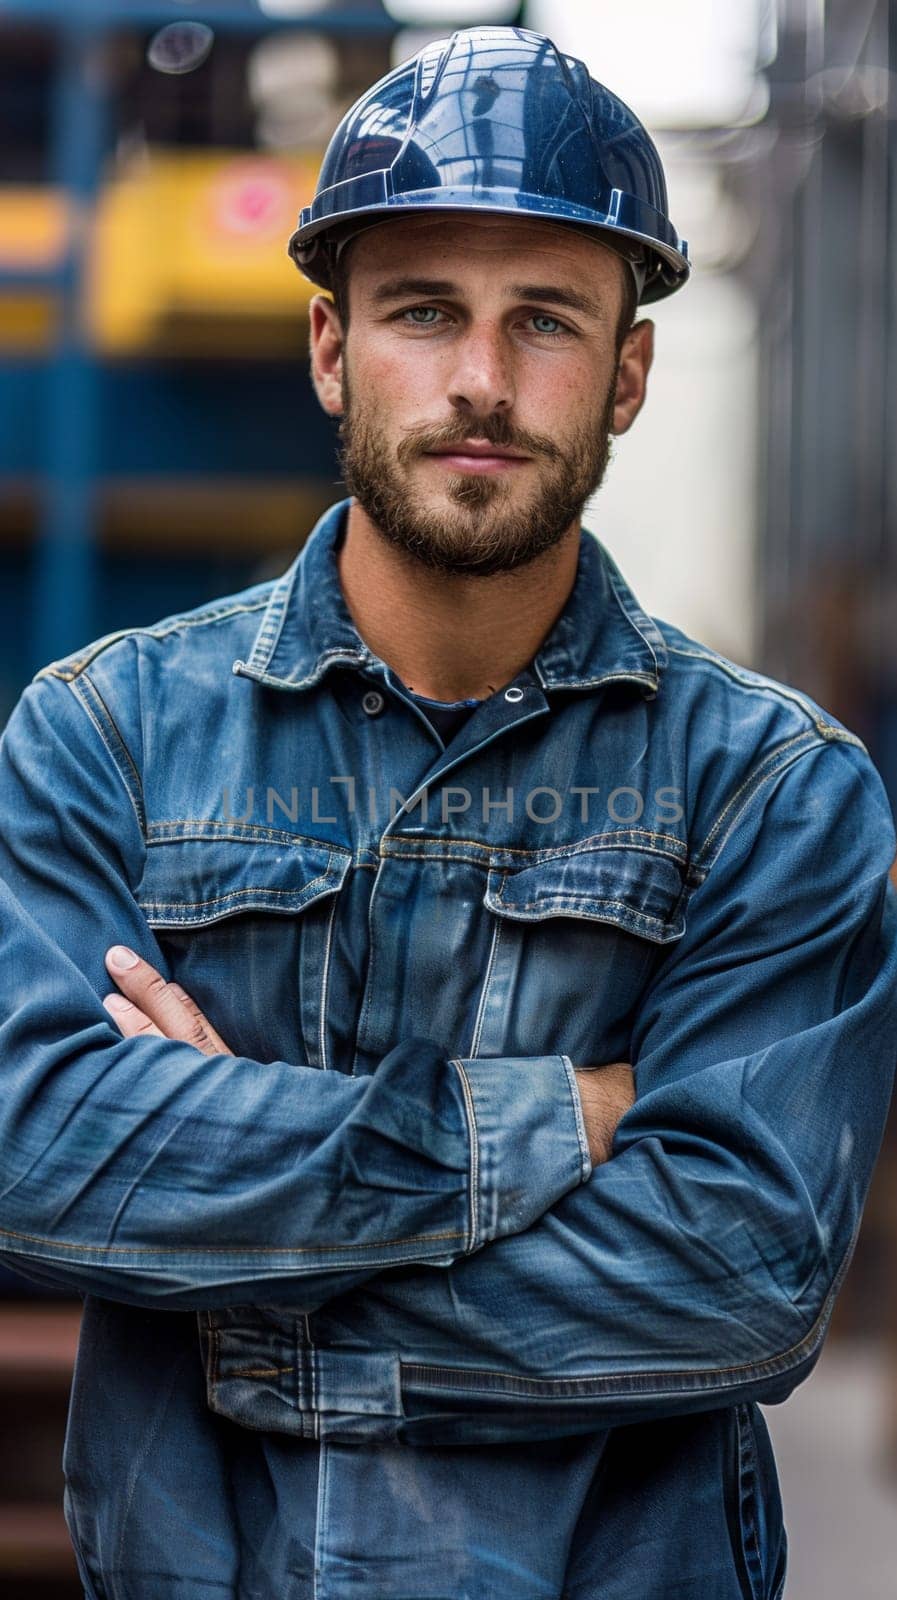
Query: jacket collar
x=601, y=636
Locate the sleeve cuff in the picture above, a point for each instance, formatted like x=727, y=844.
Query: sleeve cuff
x=528, y=1144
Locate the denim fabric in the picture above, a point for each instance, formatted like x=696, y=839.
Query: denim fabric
x=361, y=1318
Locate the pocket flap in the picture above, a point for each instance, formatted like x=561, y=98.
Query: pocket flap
x=192, y=880
x=640, y=890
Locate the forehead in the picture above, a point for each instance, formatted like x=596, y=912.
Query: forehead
x=471, y=248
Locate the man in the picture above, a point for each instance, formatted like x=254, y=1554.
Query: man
x=404, y=1299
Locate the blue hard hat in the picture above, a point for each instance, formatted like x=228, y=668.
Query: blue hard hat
x=495, y=120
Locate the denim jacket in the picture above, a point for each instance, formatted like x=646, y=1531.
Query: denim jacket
x=362, y=1322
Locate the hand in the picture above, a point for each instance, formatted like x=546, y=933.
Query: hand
x=606, y=1093
x=148, y=1005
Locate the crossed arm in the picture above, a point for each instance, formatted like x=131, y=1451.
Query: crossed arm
x=147, y=1005
x=150, y=1172
x=698, y=1266
x=695, y=1266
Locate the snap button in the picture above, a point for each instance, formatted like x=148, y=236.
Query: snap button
x=373, y=703
x=513, y=695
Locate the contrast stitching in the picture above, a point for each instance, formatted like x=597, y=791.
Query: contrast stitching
x=95, y=723
x=56, y=669
x=773, y=1365
x=232, y=894
x=564, y=682
x=322, y=1005
x=367, y=999
x=585, y=1154
x=320, y=1520
x=474, y=1155
x=775, y=763
x=223, y=1249
x=275, y=681
x=82, y=692
x=616, y=583
x=275, y=614
x=758, y=684
x=313, y=1375
x=434, y=855
x=213, y=1351
x=755, y=775
x=610, y=839
x=549, y=900
x=497, y=931
x=232, y=830
x=637, y=921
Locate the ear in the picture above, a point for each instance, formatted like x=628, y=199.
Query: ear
x=326, y=341
x=632, y=375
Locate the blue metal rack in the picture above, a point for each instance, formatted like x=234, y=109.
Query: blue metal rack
x=64, y=582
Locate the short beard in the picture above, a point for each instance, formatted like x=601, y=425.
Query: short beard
x=486, y=535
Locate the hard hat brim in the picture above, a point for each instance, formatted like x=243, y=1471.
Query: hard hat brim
x=625, y=220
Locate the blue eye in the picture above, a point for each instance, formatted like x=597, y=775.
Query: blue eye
x=418, y=313
x=543, y=317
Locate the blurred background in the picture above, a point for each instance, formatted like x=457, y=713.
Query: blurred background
x=160, y=444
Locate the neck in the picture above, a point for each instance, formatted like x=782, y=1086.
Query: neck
x=447, y=636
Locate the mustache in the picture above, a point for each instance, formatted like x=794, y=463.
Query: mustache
x=497, y=430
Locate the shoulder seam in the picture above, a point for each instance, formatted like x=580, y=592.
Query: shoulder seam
x=775, y=762
x=67, y=669
x=95, y=709
x=84, y=689
x=131, y=777
x=757, y=683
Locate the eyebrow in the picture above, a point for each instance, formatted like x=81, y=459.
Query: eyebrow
x=545, y=293
x=397, y=288
x=571, y=298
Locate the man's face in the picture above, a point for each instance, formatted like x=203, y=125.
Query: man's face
x=477, y=382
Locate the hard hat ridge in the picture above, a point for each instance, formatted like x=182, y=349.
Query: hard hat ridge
x=496, y=120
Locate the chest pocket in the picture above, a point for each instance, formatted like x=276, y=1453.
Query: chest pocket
x=245, y=924
x=576, y=935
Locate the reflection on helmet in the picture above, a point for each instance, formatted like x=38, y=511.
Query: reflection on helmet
x=496, y=120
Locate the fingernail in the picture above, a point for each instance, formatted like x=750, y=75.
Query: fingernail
x=116, y=1003
x=120, y=958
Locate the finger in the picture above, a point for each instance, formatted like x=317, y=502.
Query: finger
x=218, y=1045
x=158, y=1000
x=130, y=1021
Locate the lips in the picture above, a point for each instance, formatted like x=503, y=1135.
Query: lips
x=478, y=457
x=478, y=450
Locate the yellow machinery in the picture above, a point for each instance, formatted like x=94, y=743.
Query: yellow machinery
x=187, y=252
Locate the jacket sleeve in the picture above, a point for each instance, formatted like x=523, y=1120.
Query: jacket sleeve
x=143, y=1171
x=697, y=1267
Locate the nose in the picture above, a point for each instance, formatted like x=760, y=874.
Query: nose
x=481, y=381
